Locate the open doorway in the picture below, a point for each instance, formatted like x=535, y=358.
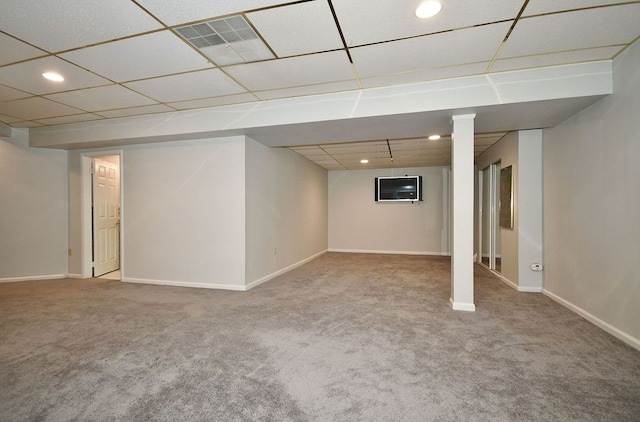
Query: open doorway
x=105, y=206
x=101, y=215
x=489, y=218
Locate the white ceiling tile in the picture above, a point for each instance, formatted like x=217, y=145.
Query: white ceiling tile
x=9, y=94
x=326, y=162
x=76, y=118
x=410, y=152
x=187, y=86
x=420, y=154
x=430, y=148
x=298, y=29
x=345, y=144
x=174, y=12
x=308, y=90
x=417, y=145
x=146, y=56
x=356, y=147
x=9, y=119
x=418, y=76
x=489, y=136
x=355, y=162
x=214, y=102
x=536, y=7
x=27, y=124
x=356, y=157
x=15, y=51
x=371, y=21
x=315, y=152
x=36, y=108
x=307, y=148
x=101, y=98
x=553, y=59
x=243, y=51
x=135, y=111
x=590, y=28
x=294, y=71
x=27, y=76
x=429, y=52
x=65, y=24
x=317, y=158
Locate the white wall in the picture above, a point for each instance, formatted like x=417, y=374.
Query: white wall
x=183, y=213
x=522, y=245
x=529, y=209
x=286, y=211
x=33, y=210
x=506, y=151
x=359, y=224
x=75, y=213
x=211, y=213
x=592, y=206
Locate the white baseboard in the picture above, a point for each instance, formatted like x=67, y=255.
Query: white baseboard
x=459, y=306
x=630, y=340
x=74, y=275
x=282, y=271
x=221, y=286
x=32, y=278
x=514, y=286
x=505, y=280
x=530, y=289
x=183, y=284
x=390, y=252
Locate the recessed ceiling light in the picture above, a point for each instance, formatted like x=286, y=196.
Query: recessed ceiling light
x=434, y=137
x=428, y=9
x=365, y=161
x=53, y=76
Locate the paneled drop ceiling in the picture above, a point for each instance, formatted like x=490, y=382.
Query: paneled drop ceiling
x=127, y=57
x=413, y=152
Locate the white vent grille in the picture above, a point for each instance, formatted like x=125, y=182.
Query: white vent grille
x=227, y=41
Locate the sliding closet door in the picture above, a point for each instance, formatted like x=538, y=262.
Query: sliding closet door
x=490, y=238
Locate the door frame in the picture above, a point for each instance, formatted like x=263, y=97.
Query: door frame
x=85, y=210
x=493, y=228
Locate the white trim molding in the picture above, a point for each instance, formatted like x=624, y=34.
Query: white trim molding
x=32, y=278
x=389, y=252
x=184, y=284
x=514, y=286
x=282, y=271
x=222, y=286
x=459, y=306
x=527, y=289
x=619, y=334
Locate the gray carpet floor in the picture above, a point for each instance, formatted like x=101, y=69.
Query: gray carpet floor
x=346, y=337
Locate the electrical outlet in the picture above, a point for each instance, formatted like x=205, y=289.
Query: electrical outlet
x=536, y=266
x=275, y=251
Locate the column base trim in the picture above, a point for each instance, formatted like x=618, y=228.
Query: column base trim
x=462, y=306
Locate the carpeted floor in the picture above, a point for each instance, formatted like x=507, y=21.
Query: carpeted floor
x=347, y=337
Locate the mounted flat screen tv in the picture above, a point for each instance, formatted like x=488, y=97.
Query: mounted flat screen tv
x=393, y=189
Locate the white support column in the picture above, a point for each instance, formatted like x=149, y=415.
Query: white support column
x=462, y=204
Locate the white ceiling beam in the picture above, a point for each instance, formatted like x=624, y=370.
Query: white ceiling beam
x=328, y=114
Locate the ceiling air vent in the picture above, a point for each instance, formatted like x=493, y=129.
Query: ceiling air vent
x=227, y=41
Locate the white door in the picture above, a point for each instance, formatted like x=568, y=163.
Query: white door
x=106, y=217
